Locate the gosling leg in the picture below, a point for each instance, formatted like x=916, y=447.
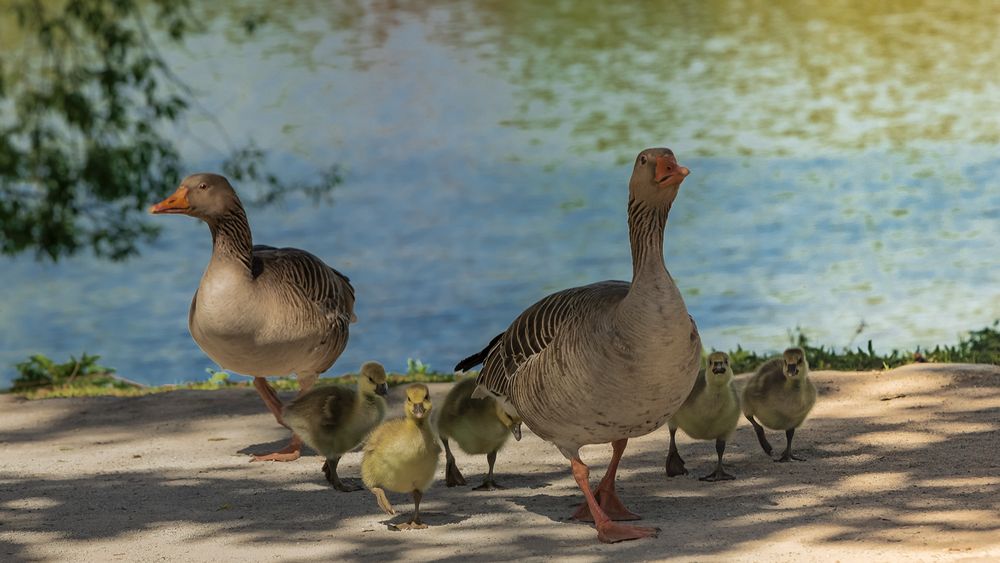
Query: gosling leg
x=675, y=465
x=452, y=476
x=787, y=454
x=330, y=470
x=415, y=523
x=383, y=502
x=489, y=484
x=719, y=474
x=760, y=435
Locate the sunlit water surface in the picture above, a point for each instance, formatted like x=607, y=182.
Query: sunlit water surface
x=844, y=163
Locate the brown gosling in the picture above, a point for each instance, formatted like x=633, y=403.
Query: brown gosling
x=781, y=395
x=479, y=426
x=334, y=419
x=402, y=455
x=710, y=412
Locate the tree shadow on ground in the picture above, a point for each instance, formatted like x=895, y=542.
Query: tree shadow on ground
x=894, y=458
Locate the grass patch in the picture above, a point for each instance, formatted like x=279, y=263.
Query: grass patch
x=40, y=377
x=979, y=347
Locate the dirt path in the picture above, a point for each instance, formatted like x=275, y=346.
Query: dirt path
x=902, y=464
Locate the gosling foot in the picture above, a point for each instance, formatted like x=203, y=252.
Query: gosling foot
x=610, y=532
x=675, y=465
x=452, y=476
x=489, y=485
x=416, y=524
x=788, y=456
x=383, y=502
x=718, y=475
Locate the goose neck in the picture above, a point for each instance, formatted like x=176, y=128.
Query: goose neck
x=646, y=225
x=231, y=239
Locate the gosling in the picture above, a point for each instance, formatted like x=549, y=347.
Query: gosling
x=710, y=412
x=479, y=426
x=781, y=396
x=402, y=455
x=334, y=419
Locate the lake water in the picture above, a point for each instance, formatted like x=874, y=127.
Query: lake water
x=844, y=163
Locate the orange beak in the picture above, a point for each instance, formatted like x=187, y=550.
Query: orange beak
x=176, y=203
x=668, y=173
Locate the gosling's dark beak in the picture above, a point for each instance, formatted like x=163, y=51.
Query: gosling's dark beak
x=382, y=389
x=418, y=410
x=515, y=429
x=793, y=370
x=718, y=368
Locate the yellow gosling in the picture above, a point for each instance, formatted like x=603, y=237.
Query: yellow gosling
x=710, y=412
x=402, y=455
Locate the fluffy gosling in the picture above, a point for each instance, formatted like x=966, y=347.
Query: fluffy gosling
x=479, y=426
x=710, y=412
x=334, y=419
x=402, y=455
x=781, y=395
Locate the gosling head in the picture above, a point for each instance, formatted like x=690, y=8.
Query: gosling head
x=794, y=364
x=418, y=402
x=372, y=379
x=205, y=196
x=513, y=423
x=656, y=177
x=719, y=370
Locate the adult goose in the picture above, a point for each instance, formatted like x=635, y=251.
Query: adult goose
x=261, y=311
x=604, y=362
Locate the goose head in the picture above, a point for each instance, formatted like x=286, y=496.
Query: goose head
x=719, y=371
x=418, y=402
x=205, y=196
x=513, y=423
x=794, y=364
x=656, y=177
x=372, y=379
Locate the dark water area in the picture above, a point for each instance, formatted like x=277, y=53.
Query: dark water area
x=844, y=171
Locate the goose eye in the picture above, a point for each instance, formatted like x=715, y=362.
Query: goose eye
x=372, y=380
x=642, y=159
x=203, y=186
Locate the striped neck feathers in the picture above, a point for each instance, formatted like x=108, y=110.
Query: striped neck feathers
x=231, y=239
x=646, y=224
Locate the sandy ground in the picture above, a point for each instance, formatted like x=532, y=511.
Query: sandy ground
x=901, y=464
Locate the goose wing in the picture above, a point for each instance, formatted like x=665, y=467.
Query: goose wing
x=307, y=277
x=536, y=328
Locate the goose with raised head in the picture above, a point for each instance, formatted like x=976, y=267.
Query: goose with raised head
x=608, y=361
x=333, y=419
x=261, y=311
x=781, y=395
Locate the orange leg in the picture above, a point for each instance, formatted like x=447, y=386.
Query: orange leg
x=607, y=530
x=605, y=493
x=293, y=450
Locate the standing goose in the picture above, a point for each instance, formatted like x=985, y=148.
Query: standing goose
x=608, y=361
x=261, y=311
